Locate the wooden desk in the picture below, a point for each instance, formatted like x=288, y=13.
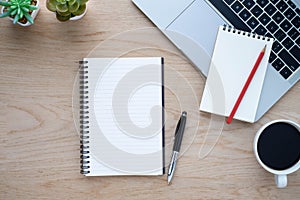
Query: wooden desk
x=40, y=144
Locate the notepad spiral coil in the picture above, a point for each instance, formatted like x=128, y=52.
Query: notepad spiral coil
x=84, y=117
x=240, y=32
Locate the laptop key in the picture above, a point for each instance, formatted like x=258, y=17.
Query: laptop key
x=256, y=11
x=278, y=17
x=237, y=6
x=296, y=21
x=260, y=30
x=282, y=6
x=252, y=22
x=276, y=47
x=245, y=15
x=272, y=57
x=298, y=11
x=270, y=9
x=293, y=33
x=295, y=51
x=229, y=2
x=264, y=19
x=289, y=13
x=285, y=72
x=248, y=4
x=272, y=27
x=288, y=60
x=287, y=43
x=262, y=3
x=278, y=64
x=286, y=25
x=291, y=4
x=279, y=35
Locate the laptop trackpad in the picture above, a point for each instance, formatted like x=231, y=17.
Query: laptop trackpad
x=194, y=33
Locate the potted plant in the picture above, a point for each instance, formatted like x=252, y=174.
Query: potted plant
x=67, y=9
x=22, y=12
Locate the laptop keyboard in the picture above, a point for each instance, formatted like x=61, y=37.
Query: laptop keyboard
x=279, y=19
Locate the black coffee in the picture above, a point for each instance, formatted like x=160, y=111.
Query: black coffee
x=279, y=146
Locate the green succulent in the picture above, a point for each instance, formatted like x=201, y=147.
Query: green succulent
x=65, y=9
x=17, y=9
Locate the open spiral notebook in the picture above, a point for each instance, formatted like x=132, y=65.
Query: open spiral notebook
x=121, y=116
x=234, y=56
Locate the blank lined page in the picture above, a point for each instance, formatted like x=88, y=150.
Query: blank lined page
x=126, y=116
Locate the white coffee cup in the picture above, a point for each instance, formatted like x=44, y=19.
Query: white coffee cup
x=280, y=175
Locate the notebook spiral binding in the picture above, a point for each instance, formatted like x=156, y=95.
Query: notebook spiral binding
x=84, y=117
x=249, y=34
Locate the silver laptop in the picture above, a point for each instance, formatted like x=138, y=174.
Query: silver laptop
x=192, y=26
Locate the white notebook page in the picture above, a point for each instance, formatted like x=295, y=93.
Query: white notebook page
x=125, y=110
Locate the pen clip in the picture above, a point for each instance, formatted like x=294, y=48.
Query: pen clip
x=177, y=127
x=179, y=132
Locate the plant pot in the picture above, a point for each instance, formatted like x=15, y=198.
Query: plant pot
x=33, y=14
x=79, y=16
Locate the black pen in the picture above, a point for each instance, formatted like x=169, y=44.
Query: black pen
x=177, y=143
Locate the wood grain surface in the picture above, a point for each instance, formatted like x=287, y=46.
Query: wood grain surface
x=39, y=148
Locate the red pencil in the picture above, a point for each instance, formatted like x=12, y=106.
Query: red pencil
x=250, y=77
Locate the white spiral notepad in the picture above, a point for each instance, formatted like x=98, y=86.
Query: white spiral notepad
x=121, y=116
x=234, y=56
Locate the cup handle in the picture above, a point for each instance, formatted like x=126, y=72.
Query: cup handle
x=281, y=180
